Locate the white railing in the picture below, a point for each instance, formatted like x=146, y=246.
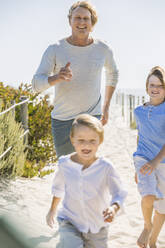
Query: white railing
x=128, y=102
x=24, y=119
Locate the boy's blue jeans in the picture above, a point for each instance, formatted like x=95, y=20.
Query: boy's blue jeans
x=71, y=237
x=61, y=136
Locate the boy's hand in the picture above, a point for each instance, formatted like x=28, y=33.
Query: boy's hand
x=148, y=168
x=50, y=218
x=109, y=214
x=136, y=178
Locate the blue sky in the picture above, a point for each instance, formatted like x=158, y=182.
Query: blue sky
x=133, y=28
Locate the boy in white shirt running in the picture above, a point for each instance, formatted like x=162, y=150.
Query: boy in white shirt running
x=92, y=190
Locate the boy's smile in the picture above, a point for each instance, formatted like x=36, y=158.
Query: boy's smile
x=86, y=142
x=155, y=90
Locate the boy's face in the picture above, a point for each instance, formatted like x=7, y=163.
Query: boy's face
x=155, y=88
x=86, y=142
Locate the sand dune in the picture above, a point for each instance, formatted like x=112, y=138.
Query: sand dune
x=28, y=200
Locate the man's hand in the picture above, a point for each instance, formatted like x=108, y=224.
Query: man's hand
x=105, y=116
x=107, y=98
x=65, y=74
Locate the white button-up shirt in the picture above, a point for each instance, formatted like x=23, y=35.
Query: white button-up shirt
x=87, y=193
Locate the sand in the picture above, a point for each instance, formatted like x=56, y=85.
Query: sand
x=28, y=200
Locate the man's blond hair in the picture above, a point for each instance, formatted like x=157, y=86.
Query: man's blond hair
x=86, y=5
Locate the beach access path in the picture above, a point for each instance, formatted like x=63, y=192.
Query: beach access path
x=27, y=200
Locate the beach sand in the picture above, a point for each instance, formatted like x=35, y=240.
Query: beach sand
x=26, y=201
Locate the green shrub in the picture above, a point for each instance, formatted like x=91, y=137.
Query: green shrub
x=40, y=148
x=12, y=164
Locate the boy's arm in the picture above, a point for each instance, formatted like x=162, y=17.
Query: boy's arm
x=115, y=206
x=58, y=188
x=110, y=212
x=116, y=188
x=151, y=165
x=118, y=194
x=55, y=202
x=52, y=211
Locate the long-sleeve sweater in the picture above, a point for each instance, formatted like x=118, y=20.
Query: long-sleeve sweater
x=83, y=93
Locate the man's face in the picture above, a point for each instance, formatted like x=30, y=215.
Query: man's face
x=81, y=22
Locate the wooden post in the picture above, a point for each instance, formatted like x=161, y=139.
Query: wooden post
x=116, y=98
x=133, y=107
x=24, y=115
x=127, y=109
x=120, y=99
x=0, y=104
x=123, y=104
x=13, y=110
x=143, y=99
x=130, y=109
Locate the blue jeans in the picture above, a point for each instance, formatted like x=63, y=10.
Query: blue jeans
x=61, y=136
x=71, y=237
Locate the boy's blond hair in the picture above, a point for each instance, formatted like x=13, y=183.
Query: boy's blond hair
x=86, y=5
x=159, y=73
x=88, y=121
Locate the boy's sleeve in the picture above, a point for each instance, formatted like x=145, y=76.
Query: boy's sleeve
x=58, y=186
x=116, y=187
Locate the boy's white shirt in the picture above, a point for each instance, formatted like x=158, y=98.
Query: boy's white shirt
x=87, y=193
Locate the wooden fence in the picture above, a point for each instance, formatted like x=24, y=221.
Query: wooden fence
x=128, y=103
x=24, y=119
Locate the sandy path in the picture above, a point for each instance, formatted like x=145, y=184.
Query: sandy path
x=28, y=200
